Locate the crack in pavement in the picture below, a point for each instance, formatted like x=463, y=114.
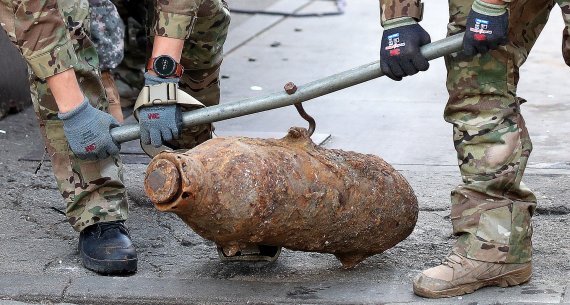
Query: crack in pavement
x=181, y=240
x=47, y=265
x=64, y=292
x=157, y=268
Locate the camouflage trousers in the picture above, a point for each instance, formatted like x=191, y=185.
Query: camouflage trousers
x=94, y=190
x=201, y=56
x=491, y=211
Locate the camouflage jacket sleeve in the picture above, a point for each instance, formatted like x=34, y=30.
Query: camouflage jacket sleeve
x=175, y=19
x=391, y=9
x=38, y=30
x=565, y=6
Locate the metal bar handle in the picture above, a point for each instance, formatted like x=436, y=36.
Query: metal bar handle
x=304, y=93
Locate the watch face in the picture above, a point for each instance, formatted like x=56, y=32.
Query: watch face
x=164, y=66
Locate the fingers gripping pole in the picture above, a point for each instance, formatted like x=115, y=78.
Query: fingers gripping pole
x=304, y=93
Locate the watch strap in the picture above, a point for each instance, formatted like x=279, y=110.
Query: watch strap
x=177, y=72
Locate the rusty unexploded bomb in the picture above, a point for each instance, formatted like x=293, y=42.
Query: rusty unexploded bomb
x=287, y=192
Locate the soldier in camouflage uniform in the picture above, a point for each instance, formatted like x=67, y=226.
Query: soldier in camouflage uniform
x=201, y=56
x=491, y=211
x=70, y=103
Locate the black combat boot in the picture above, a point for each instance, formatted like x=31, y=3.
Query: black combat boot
x=107, y=248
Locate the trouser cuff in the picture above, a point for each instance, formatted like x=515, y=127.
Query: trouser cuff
x=469, y=246
x=81, y=225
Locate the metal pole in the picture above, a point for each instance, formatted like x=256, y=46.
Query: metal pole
x=304, y=93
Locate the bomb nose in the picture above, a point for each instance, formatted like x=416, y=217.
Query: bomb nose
x=162, y=182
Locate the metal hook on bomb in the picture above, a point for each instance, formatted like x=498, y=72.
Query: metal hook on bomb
x=291, y=88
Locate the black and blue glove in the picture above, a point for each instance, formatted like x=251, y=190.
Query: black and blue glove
x=160, y=123
x=487, y=28
x=88, y=132
x=400, y=50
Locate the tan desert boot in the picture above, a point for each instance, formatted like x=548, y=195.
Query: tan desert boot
x=113, y=95
x=459, y=275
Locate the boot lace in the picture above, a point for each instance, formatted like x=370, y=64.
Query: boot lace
x=113, y=225
x=453, y=259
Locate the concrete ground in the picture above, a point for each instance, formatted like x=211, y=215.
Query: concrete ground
x=401, y=122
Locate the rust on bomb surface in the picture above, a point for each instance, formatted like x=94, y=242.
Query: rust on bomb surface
x=163, y=181
x=289, y=192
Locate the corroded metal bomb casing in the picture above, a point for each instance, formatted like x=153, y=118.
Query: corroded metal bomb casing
x=288, y=192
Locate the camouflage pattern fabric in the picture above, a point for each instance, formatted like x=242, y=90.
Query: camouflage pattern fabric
x=392, y=9
x=129, y=74
x=176, y=19
x=201, y=57
x=107, y=33
x=491, y=212
x=42, y=37
x=93, y=190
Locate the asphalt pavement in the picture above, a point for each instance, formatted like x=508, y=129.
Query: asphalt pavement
x=401, y=122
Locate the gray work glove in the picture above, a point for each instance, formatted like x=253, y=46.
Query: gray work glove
x=88, y=132
x=161, y=123
x=487, y=28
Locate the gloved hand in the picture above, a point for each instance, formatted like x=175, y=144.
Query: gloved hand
x=160, y=123
x=487, y=28
x=88, y=132
x=400, y=50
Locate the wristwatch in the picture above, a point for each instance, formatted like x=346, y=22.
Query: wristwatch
x=165, y=66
